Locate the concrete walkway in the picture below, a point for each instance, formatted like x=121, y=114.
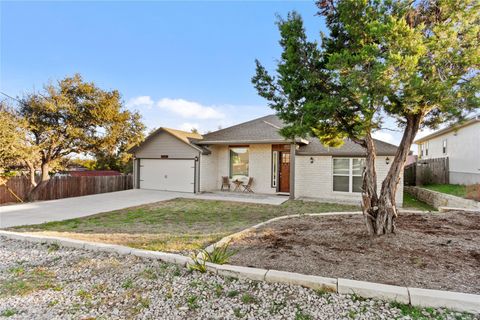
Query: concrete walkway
x=69, y=208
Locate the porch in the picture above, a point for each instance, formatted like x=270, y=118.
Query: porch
x=229, y=168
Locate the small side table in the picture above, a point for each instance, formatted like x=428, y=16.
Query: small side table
x=238, y=185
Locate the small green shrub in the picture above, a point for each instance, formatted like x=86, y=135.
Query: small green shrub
x=192, y=302
x=8, y=313
x=219, y=255
x=232, y=293
x=247, y=298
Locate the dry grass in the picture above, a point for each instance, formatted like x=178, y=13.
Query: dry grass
x=177, y=225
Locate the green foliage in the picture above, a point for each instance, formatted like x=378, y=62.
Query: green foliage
x=400, y=58
x=300, y=315
x=192, y=302
x=75, y=117
x=247, y=298
x=15, y=145
x=237, y=312
x=232, y=293
x=453, y=189
x=415, y=61
x=8, y=313
x=410, y=202
x=198, y=264
x=219, y=255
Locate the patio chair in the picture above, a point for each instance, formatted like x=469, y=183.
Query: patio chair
x=225, y=183
x=248, y=186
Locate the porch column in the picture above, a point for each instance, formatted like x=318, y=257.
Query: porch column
x=292, y=170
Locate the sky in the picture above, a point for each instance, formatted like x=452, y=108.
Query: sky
x=182, y=64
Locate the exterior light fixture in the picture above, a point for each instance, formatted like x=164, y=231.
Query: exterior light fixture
x=387, y=160
x=311, y=159
x=196, y=158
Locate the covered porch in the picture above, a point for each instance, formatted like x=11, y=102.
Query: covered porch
x=253, y=168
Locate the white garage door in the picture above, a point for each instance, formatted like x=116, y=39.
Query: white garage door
x=168, y=175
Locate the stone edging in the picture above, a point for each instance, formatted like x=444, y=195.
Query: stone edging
x=414, y=296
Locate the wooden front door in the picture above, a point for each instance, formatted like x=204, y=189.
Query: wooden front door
x=284, y=172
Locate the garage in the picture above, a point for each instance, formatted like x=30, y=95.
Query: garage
x=167, y=174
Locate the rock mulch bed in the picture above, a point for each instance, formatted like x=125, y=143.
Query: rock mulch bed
x=40, y=281
x=433, y=251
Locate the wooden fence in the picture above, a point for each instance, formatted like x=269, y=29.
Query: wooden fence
x=65, y=187
x=426, y=172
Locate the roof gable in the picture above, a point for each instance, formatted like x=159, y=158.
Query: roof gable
x=186, y=137
x=449, y=129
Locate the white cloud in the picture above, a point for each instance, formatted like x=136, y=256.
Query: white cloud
x=383, y=136
x=140, y=101
x=190, y=109
x=187, y=126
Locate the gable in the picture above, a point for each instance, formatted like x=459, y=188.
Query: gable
x=164, y=143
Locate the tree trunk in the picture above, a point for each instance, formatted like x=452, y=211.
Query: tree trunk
x=369, y=187
x=380, y=211
x=31, y=174
x=387, y=209
x=45, y=171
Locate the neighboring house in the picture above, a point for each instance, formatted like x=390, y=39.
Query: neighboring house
x=189, y=162
x=461, y=144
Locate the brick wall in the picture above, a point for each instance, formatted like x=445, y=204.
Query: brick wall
x=315, y=180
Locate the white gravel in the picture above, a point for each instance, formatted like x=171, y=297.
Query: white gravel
x=46, y=282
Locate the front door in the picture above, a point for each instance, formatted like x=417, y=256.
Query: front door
x=284, y=172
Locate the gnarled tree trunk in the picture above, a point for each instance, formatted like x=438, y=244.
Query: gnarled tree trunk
x=369, y=193
x=381, y=211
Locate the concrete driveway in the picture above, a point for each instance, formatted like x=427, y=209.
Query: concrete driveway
x=69, y=208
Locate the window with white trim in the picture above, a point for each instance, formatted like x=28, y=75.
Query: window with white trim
x=239, y=162
x=444, y=146
x=347, y=174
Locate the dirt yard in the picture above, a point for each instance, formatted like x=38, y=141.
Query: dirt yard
x=435, y=251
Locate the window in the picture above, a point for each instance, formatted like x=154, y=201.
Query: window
x=274, y=168
x=426, y=148
x=347, y=174
x=421, y=150
x=444, y=146
x=238, y=162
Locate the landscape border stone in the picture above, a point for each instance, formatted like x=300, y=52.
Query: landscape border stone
x=373, y=290
x=436, y=298
x=308, y=281
x=414, y=296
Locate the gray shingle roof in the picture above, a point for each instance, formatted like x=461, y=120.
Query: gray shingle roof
x=265, y=130
x=349, y=148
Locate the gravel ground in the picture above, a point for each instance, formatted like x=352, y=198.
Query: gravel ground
x=47, y=282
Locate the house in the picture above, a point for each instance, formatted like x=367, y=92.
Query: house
x=461, y=144
x=189, y=162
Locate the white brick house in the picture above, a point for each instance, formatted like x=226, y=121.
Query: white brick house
x=181, y=161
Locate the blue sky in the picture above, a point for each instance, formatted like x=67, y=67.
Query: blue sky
x=181, y=64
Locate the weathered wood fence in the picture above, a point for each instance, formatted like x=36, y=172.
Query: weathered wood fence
x=426, y=172
x=65, y=187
